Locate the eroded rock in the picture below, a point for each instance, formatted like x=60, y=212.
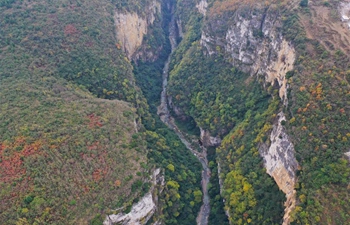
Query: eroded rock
x=131, y=27
x=253, y=43
x=143, y=210
x=208, y=140
x=202, y=7
x=281, y=164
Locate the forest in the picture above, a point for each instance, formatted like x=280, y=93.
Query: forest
x=80, y=134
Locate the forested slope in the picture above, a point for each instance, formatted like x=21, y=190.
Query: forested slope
x=222, y=77
x=65, y=152
x=80, y=83
x=71, y=150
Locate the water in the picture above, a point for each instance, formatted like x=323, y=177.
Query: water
x=163, y=112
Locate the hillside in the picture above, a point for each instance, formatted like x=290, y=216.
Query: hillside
x=271, y=80
x=62, y=151
x=74, y=144
x=174, y=112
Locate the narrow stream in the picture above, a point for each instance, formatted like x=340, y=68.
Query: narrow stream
x=163, y=112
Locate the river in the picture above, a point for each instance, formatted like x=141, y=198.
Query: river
x=163, y=112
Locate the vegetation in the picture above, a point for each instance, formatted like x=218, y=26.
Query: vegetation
x=64, y=153
x=180, y=201
x=223, y=99
x=217, y=213
x=319, y=126
x=219, y=101
x=79, y=132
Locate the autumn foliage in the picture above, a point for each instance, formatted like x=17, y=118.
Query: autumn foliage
x=12, y=156
x=220, y=7
x=70, y=29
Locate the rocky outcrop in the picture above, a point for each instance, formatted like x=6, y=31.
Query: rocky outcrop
x=251, y=40
x=347, y=154
x=179, y=28
x=281, y=164
x=131, y=27
x=202, y=7
x=208, y=140
x=252, y=43
x=143, y=210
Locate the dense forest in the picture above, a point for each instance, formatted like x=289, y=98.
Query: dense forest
x=242, y=109
x=80, y=134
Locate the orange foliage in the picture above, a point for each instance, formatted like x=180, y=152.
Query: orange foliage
x=317, y=91
x=302, y=88
x=11, y=160
x=98, y=174
x=95, y=121
x=117, y=183
x=220, y=7
x=94, y=146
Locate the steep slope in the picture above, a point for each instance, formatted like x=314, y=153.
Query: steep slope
x=68, y=155
x=261, y=86
x=266, y=77
x=62, y=150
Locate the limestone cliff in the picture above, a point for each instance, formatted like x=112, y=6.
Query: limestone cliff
x=281, y=164
x=252, y=42
x=132, y=27
x=143, y=210
x=202, y=7
x=208, y=140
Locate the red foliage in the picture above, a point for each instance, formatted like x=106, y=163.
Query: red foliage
x=70, y=30
x=11, y=160
x=99, y=174
x=95, y=121
x=94, y=146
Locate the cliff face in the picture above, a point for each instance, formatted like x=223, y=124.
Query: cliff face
x=208, y=140
x=202, y=7
x=252, y=43
x=144, y=209
x=280, y=163
x=132, y=27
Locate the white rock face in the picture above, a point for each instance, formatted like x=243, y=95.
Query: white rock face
x=278, y=69
x=344, y=10
x=348, y=155
x=254, y=45
x=281, y=164
x=252, y=41
x=143, y=210
x=179, y=26
x=208, y=140
x=202, y=7
x=131, y=28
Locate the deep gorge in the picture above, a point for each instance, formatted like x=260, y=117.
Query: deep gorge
x=174, y=112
